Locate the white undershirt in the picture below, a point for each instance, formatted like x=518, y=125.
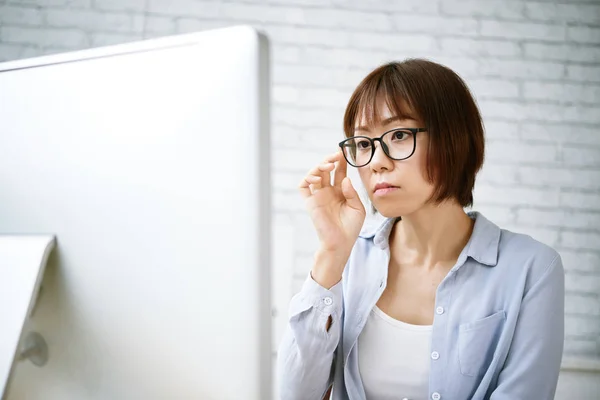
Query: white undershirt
x=393, y=358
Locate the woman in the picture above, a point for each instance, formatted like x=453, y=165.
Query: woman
x=435, y=303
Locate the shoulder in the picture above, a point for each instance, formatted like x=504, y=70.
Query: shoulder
x=520, y=254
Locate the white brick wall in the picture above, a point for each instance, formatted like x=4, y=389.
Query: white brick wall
x=534, y=67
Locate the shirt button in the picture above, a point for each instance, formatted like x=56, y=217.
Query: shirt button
x=436, y=396
x=328, y=301
x=435, y=355
x=439, y=310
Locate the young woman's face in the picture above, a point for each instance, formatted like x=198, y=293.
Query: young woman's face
x=411, y=190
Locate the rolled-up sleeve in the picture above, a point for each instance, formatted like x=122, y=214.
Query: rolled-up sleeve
x=533, y=363
x=307, y=352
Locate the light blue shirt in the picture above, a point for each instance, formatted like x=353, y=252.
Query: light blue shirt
x=498, y=327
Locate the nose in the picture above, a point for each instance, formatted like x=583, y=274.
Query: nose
x=380, y=160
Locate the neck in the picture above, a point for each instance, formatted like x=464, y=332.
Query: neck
x=431, y=237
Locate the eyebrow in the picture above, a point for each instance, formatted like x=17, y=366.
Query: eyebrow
x=385, y=122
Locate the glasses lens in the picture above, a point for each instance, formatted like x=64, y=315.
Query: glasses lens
x=358, y=151
x=400, y=143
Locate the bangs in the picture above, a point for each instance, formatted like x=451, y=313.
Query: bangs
x=379, y=88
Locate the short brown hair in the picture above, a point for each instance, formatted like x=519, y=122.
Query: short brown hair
x=441, y=100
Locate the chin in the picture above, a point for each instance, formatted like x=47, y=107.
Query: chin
x=391, y=209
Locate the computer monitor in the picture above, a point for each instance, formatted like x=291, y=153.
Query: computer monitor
x=149, y=164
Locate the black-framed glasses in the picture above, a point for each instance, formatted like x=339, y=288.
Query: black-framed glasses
x=397, y=144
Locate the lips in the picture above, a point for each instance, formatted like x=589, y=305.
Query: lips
x=384, y=185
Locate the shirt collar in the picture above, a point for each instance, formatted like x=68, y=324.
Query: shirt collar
x=482, y=245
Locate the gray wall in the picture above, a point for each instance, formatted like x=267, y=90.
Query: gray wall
x=534, y=67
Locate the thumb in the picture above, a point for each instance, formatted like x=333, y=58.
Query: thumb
x=350, y=194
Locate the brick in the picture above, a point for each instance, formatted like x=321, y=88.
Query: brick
x=159, y=25
x=522, y=69
x=121, y=5
x=557, y=218
x=14, y=15
x=317, y=76
x=435, y=25
x=494, y=88
x=395, y=42
x=548, y=236
x=476, y=8
x=311, y=3
x=311, y=97
x=581, y=261
x=188, y=8
x=559, y=176
x=107, y=39
x=574, y=345
x=296, y=160
x=308, y=36
x=519, y=153
x=300, y=118
x=541, y=112
x=580, y=199
x=560, y=133
x=302, y=266
x=90, y=20
x=287, y=54
x=578, y=13
x=348, y=19
x=514, y=195
x=582, y=283
x=408, y=6
x=322, y=139
x=501, y=130
x=562, y=92
x=346, y=58
x=521, y=30
x=507, y=110
x=495, y=174
x=562, y=52
x=479, y=48
x=262, y=13
x=9, y=51
x=584, y=34
x=285, y=94
x=287, y=201
x=44, y=37
x=189, y=25
x=581, y=240
x=54, y=3
x=283, y=136
x=306, y=237
x=581, y=157
x=583, y=73
x=582, y=326
x=500, y=215
x=288, y=181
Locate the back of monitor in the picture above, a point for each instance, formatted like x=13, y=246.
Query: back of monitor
x=149, y=162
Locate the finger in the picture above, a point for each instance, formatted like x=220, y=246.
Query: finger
x=334, y=157
x=307, y=183
x=341, y=170
x=324, y=172
x=316, y=183
x=351, y=195
x=304, y=188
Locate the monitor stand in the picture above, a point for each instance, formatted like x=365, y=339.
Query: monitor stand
x=22, y=263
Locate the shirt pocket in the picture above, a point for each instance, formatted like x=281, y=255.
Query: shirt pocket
x=477, y=342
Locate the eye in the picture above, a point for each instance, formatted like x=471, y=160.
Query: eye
x=363, y=144
x=400, y=135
